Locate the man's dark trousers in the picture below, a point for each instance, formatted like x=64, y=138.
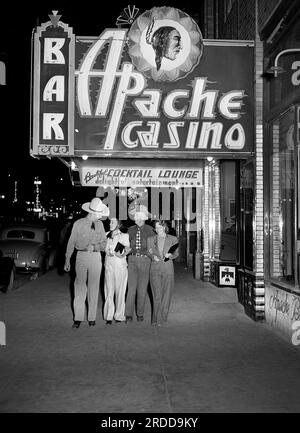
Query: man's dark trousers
x=138, y=280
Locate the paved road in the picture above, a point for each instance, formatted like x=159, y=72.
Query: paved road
x=19, y=281
x=209, y=357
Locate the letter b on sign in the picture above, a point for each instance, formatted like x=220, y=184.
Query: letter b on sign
x=2, y=334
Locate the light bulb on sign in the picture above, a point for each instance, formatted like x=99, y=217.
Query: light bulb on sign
x=73, y=165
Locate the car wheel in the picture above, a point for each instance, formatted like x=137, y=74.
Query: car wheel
x=46, y=265
x=43, y=269
x=11, y=280
x=52, y=260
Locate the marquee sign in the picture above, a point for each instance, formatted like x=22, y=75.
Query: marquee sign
x=156, y=88
x=141, y=177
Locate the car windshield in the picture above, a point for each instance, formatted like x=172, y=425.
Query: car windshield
x=20, y=234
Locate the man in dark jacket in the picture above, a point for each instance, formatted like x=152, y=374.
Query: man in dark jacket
x=138, y=263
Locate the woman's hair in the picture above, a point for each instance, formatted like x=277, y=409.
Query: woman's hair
x=119, y=226
x=162, y=223
x=159, y=43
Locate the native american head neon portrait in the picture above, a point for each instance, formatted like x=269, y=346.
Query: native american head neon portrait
x=165, y=44
x=165, y=41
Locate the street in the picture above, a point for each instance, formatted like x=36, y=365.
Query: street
x=209, y=357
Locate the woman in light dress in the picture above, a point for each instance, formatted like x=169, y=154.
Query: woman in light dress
x=116, y=274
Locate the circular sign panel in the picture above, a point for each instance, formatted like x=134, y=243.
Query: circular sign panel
x=165, y=44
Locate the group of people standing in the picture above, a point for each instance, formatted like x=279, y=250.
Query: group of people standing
x=132, y=259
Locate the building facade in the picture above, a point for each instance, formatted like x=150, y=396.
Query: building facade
x=214, y=137
x=238, y=20
x=182, y=129
x=274, y=25
x=279, y=30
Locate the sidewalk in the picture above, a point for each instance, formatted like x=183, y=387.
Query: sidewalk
x=209, y=357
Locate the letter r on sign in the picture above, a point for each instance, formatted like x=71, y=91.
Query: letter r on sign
x=51, y=122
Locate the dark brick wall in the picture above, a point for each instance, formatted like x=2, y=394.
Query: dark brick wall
x=210, y=20
x=246, y=24
x=266, y=9
x=240, y=23
x=230, y=26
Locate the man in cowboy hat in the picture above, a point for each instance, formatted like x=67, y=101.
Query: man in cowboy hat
x=88, y=238
x=138, y=262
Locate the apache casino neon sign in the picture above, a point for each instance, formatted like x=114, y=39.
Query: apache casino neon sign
x=156, y=88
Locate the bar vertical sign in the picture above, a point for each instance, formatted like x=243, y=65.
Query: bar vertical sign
x=53, y=93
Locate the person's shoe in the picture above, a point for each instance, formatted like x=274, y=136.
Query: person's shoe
x=76, y=324
x=109, y=322
x=118, y=321
x=140, y=318
x=128, y=319
x=92, y=322
x=153, y=323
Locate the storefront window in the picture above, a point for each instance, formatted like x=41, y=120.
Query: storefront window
x=282, y=206
x=246, y=214
x=228, y=210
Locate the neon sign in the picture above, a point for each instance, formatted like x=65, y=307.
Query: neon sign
x=157, y=87
x=124, y=177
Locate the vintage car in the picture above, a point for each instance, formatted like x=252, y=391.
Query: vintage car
x=29, y=246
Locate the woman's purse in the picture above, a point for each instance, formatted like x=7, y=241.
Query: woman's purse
x=119, y=248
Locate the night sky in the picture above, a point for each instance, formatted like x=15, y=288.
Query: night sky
x=17, y=22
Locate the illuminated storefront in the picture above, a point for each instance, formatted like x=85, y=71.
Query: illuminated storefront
x=281, y=167
x=157, y=107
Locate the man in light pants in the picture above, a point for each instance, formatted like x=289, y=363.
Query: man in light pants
x=88, y=238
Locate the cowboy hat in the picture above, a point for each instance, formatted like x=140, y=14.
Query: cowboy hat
x=96, y=207
x=138, y=210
